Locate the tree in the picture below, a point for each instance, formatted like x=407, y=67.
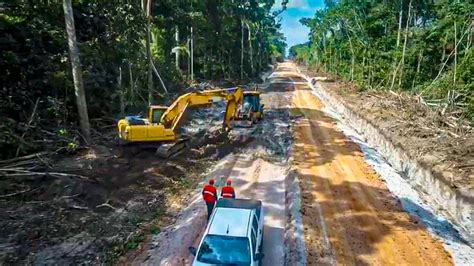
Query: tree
x=120, y=45
x=417, y=46
x=147, y=9
x=77, y=72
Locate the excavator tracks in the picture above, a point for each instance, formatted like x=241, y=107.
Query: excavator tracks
x=167, y=150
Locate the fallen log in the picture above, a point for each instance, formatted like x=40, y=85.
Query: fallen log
x=23, y=158
x=21, y=172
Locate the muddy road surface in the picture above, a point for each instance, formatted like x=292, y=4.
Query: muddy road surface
x=344, y=215
x=259, y=171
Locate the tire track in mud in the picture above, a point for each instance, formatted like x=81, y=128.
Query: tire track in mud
x=258, y=171
x=254, y=184
x=170, y=246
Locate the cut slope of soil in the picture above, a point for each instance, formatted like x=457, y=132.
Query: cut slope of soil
x=437, y=141
x=349, y=215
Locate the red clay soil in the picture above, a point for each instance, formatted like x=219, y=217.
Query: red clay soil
x=349, y=215
x=440, y=142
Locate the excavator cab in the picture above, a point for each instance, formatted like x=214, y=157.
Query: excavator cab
x=155, y=112
x=252, y=99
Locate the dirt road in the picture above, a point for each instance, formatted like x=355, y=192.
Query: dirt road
x=349, y=216
x=258, y=171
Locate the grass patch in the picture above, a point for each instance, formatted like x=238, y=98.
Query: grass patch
x=135, y=242
x=154, y=230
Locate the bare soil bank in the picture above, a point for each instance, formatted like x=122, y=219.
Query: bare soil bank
x=435, y=140
x=441, y=147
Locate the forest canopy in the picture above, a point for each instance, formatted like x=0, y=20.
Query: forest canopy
x=131, y=53
x=424, y=47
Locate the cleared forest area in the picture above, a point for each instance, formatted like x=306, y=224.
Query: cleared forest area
x=68, y=71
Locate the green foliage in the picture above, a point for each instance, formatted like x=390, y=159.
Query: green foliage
x=135, y=241
x=358, y=41
x=154, y=230
x=300, y=52
x=34, y=62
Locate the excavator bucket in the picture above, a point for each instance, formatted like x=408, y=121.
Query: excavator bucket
x=242, y=123
x=167, y=150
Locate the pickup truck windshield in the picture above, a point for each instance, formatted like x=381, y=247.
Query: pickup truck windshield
x=228, y=250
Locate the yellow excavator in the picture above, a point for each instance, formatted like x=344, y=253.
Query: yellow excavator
x=163, y=122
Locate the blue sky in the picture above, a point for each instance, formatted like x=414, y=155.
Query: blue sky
x=296, y=33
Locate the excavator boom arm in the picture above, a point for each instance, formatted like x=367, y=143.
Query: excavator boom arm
x=235, y=100
x=172, y=116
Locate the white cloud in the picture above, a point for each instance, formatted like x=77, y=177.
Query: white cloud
x=300, y=4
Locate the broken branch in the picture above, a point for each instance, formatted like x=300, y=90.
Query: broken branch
x=20, y=172
x=18, y=193
x=23, y=158
x=106, y=204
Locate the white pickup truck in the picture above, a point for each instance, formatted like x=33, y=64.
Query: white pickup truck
x=234, y=234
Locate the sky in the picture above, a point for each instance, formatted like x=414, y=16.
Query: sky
x=296, y=33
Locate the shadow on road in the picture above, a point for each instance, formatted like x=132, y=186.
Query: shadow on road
x=356, y=228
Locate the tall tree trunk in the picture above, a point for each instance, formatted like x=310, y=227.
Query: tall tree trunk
x=399, y=32
x=455, y=52
x=149, y=74
x=418, y=68
x=352, y=57
x=251, y=51
x=192, y=55
x=188, y=43
x=259, y=56
x=400, y=15
x=402, y=62
x=469, y=40
x=147, y=10
x=242, y=50
x=369, y=70
x=229, y=53
x=132, y=84
x=159, y=76
x=363, y=64
x=176, y=39
x=222, y=61
x=210, y=60
x=77, y=72
x=121, y=92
